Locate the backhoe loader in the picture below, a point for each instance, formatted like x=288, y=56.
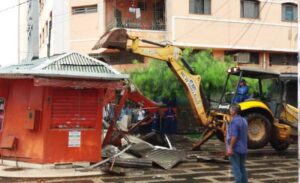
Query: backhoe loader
x=214, y=120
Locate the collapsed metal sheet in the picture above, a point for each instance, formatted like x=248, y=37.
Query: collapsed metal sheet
x=166, y=158
x=109, y=151
x=133, y=162
x=158, y=139
x=141, y=149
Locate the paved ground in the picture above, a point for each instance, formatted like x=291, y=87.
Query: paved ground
x=264, y=165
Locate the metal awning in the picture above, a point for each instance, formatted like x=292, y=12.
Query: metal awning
x=67, y=65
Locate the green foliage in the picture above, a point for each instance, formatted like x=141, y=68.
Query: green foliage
x=212, y=71
x=158, y=81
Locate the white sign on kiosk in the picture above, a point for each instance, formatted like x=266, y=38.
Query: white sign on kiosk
x=74, y=139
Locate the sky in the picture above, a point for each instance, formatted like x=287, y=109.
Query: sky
x=8, y=33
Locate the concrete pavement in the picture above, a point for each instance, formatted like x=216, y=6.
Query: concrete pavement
x=263, y=165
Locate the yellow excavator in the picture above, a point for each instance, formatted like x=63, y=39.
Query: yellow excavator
x=214, y=120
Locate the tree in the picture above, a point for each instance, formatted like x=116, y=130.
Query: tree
x=158, y=81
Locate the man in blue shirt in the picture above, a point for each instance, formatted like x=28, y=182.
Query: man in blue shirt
x=170, y=126
x=242, y=92
x=236, y=144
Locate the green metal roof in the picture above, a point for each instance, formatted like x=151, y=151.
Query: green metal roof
x=72, y=64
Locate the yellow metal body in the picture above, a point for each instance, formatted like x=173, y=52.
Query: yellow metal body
x=251, y=104
x=289, y=114
x=282, y=131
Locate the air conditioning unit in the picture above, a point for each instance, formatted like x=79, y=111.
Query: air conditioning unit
x=243, y=58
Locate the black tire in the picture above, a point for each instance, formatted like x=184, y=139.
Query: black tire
x=259, y=130
x=279, y=145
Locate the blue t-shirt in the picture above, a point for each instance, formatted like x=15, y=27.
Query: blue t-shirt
x=242, y=94
x=238, y=127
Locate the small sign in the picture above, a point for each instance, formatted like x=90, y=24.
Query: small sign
x=74, y=138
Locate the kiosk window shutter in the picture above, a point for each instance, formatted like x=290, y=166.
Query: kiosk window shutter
x=74, y=108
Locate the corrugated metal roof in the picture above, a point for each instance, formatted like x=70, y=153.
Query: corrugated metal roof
x=64, y=65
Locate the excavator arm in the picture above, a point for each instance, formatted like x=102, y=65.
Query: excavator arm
x=118, y=39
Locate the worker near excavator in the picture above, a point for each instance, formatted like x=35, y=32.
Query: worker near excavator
x=169, y=123
x=236, y=144
x=242, y=92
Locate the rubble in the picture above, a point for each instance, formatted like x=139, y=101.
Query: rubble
x=165, y=158
x=136, y=152
x=133, y=162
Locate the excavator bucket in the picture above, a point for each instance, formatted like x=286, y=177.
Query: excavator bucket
x=115, y=39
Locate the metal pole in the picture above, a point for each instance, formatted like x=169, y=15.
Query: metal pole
x=19, y=31
x=49, y=38
x=298, y=45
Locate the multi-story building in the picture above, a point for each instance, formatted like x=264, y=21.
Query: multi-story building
x=256, y=33
x=259, y=33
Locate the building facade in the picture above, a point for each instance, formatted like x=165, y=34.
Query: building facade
x=258, y=33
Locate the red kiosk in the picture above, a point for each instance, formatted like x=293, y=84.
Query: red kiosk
x=51, y=108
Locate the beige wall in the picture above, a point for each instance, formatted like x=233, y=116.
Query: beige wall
x=74, y=3
x=226, y=29
x=84, y=26
x=83, y=46
x=85, y=29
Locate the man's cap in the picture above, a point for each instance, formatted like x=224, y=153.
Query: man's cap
x=242, y=80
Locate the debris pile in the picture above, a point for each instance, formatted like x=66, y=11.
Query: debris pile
x=137, y=152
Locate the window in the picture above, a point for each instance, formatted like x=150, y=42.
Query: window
x=2, y=111
x=40, y=40
x=244, y=57
x=200, y=7
x=43, y=35
x=47, y=29
x=291, y=92
x=249, y=9
x=289, y=12
x=283, y=59
x=41, y=5
x=84, y=9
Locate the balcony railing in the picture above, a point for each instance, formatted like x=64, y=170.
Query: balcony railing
x=132, y=23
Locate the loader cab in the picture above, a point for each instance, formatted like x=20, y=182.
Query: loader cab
x=261, y=107
x=290, y=91
x=264, y=86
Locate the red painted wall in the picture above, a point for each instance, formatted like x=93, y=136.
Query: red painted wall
x=45, y=144
x=22, y=95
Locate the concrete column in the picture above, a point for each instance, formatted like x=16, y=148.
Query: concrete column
x=265, y=61
x=101, y=12
x=169, y=19
x=60, y=35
